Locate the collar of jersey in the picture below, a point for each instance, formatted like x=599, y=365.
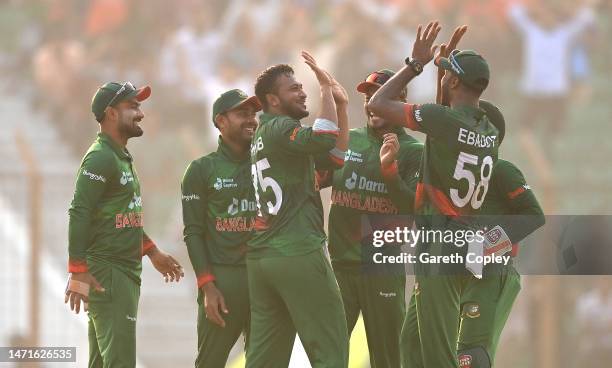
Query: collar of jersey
x=475, y=112
x=266, y=117
x=225, y=151
x=123, y=153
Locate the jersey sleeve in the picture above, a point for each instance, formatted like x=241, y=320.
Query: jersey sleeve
x=526, y=213
x=316, y=140
x=431, y=119
x=401, y=178
x=94, y=174
x=193, y=200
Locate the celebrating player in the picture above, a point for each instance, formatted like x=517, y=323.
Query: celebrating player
x=106, y=236
x=460, y=151
x=218, y=213
x=379, y=297
x=291, y=282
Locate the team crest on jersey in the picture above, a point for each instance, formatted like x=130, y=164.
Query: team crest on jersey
x=126, y=177
x=472, y=310
x=493, y=236
x=465, y=361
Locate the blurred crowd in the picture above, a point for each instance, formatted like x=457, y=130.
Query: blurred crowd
x=190, y=51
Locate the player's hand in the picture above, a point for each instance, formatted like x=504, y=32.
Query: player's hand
x=324, y=78
x=389, y=149
x=338, y=91
x=166, y=265
x=444, y=52
x=424, y=49
x=77, y=290
x=214, y=304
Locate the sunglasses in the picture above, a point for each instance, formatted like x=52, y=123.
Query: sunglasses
x=454, y=64
x=125, y=86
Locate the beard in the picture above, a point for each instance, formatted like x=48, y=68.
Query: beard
x=240, y=136
x=130, y=129
x=292, y=110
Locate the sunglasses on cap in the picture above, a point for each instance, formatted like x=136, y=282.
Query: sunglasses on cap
x=127, y=86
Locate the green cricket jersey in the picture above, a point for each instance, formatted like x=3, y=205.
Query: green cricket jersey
x=106, y=218
x=290, y=213
x=512, y=199
x=218, y=210
x=460, y=151
x=361, y=187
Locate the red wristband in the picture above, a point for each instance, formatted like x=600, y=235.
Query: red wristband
x=205, y=278
x=77, y=266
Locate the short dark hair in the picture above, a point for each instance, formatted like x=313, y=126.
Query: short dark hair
x=266, y=81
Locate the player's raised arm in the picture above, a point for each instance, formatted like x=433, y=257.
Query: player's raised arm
x=328, y=105
x=383, y=102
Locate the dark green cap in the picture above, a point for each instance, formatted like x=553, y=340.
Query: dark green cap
x=113, y=93
x=471, y=68
x=232, y=99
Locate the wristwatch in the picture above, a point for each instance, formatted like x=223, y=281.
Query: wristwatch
x=416, y=66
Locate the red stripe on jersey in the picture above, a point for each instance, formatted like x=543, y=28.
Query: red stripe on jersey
x=419, y=196
x=294, y=134
x=389, y=171
x=77, y=266
x=339, y=162
x=260, y=223
x=515, y=250
x=410, y=122
x=440, y=200
x=332, y=132
x=515, y=193
x=204, y=278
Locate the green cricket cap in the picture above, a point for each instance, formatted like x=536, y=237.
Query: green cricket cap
x=113, y=93
x=232, y=99
x=471, y=68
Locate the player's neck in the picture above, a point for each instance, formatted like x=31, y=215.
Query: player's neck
x=464, y=101
x=115, y=136
x=238, y=149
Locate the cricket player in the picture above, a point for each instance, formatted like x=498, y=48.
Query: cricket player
x=360, y=188
x=460, y=151
x=486, y=303
x=292, y=286
x=218, y=214
x=106, y=236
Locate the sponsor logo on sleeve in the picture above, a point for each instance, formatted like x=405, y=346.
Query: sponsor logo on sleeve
x=190, y=197
x=93, y=176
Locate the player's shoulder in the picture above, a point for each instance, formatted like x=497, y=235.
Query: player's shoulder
x=202, y=166
x=504, y=169
x=358, y=132
x=100, y=156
